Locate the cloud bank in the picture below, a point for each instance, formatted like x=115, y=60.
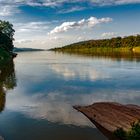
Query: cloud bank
x=113, y=2
x=8, y=10
x=84, y=23
x=31, y=26
x=109, y=34
x=11, y=7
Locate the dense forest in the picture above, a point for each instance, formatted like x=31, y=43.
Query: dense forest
x=130, y=43
x=6, y=39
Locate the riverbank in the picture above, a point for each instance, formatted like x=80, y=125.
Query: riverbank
x=97, y=50
x=118, y=44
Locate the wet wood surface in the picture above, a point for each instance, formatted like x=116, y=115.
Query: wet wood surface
x=108, y=117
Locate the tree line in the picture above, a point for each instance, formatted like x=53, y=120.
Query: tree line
x=118, y=42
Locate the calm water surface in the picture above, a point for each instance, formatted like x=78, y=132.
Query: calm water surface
x=39, y=89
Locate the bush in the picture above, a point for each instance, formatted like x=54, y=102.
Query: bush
x=132, y=134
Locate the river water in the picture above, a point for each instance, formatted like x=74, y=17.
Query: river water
x=39, y=89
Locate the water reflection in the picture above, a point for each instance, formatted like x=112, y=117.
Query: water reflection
x=50, y=84
x=7, y=81
x=114, y=55
x=85, y=73
x=2, y=100
x=57, y=107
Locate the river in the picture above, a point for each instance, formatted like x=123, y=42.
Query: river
x=39, y=89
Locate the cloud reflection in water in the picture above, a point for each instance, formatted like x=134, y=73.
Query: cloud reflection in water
x=57, y=107
x=50, y=84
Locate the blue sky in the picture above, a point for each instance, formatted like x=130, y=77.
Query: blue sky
x=54, y=23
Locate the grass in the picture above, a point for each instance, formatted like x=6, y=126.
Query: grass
x=84, y=49
x=136, y=49
x=98, y=49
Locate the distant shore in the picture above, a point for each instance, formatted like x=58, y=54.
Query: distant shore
x=118, y=44
x=97, y=49
x=26, y=49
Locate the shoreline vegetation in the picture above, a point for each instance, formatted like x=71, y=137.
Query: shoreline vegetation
x=6, y=42
x=130, y=44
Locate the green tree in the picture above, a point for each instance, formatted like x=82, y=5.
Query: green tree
x=6, y=35
x=7, y=29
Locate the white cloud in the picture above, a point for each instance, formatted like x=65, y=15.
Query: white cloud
x=31, y=26
x=10, y=7
x=30, y=31
x=23, y=41
x=73, y=9
x=84, y=23
x=92, y=21
x=41, y=41
x=127, y=1
x=80, y=38
x=54, y=38
x=8, y=10
x=113, y=2
x=109, y=34
x=60, y=2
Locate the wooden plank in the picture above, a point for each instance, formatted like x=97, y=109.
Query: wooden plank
x=109, y=116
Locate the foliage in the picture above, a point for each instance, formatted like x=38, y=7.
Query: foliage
x=120, y=134
x=7, y=29
x=6, y=35
x=133, y=134
x=117, y=44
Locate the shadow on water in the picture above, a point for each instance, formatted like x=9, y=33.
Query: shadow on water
x=114, y=55
x=7, y=81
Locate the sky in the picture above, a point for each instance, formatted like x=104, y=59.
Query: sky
x=55, y=23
